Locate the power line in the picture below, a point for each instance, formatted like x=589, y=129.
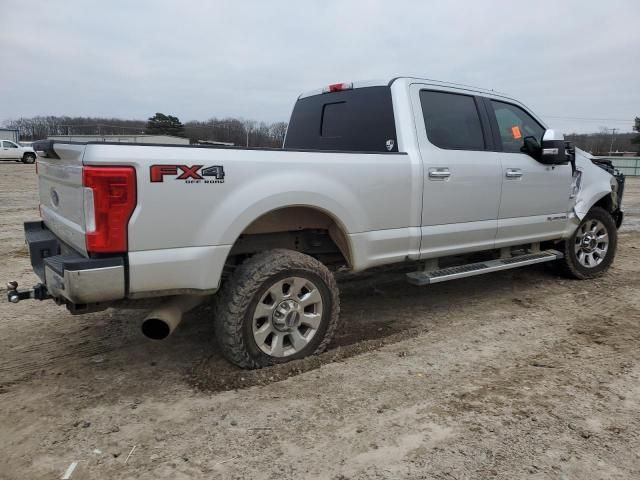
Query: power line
x=591, y=119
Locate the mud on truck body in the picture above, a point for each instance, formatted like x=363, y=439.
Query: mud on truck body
x=452, y=180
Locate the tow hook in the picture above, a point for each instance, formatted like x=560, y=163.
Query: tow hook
x=38, y=292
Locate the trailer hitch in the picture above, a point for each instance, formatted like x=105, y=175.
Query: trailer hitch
x=38, y=292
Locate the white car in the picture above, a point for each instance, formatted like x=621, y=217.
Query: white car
x=404, y=170
x=14, y=151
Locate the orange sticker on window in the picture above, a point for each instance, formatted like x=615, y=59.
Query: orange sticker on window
x=515, y=131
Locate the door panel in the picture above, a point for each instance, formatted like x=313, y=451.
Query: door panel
x=539, y=190
x=462, y=179
x=537, y=201
x=470, y=192
x=4, y=150
x=10, y=150
x=535, y=197
x=520, y=230
x=457, y=238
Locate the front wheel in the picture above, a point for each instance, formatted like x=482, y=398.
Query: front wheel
x=591, y=249
x=28, y=158
x=277, y=306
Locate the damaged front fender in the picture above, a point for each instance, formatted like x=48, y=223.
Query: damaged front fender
x=595, y=185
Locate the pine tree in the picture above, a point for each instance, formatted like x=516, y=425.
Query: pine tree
x=161, y=124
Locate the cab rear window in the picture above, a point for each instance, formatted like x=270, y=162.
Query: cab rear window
x=351, y=120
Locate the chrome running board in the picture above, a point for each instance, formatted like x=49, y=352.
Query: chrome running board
x=452, y=273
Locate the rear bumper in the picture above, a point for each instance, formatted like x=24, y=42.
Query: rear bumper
x=69, y=276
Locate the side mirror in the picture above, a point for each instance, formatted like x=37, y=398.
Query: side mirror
x=531, y=147
x=553, y=149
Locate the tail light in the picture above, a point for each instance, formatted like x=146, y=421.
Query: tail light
x=109, y=201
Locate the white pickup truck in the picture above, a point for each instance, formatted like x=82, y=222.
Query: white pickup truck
x=374, y=173
x=14, y=151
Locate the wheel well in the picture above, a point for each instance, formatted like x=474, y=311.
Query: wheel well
x=304, y=229
x=605, y=202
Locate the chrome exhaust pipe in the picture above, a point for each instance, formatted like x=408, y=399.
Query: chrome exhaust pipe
x=163, y=320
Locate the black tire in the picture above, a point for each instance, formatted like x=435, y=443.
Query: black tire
x=570, y=265
x=240, y=294
x=28, y=158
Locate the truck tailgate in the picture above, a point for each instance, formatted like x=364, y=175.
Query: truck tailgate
x=61, y=194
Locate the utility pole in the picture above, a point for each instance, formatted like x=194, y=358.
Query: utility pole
x=613, y=136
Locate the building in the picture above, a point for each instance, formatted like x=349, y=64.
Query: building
x=163, y=139
x=8, y=134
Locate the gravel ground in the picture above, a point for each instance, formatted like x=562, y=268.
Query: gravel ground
x=518, y=374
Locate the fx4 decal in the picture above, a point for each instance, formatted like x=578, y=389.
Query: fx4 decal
x=190, y=174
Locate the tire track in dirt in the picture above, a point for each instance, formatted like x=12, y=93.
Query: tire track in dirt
x=58, y=354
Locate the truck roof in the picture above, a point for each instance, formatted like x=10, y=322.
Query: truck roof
x=408, y=79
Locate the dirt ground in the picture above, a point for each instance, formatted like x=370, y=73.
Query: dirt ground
x=518, y=374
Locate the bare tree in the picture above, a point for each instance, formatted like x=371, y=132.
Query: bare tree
x=234, y=130
x=248, y=125
x=600, y=143
x=278, y=131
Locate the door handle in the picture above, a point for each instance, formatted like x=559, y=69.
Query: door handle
x=513, y=173
x=439, y=173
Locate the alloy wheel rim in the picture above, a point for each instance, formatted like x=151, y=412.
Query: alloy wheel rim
x=591, y=243
x=287, y=317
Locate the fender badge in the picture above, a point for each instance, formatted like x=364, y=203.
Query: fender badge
x=189, y=174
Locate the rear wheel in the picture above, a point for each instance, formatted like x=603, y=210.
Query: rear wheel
x=277, y=306
x=591, y=249
x=28, y=158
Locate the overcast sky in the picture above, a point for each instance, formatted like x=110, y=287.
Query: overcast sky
x=200, y=59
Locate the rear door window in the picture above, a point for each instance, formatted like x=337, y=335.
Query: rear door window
x=514, y=124
x=359, y=120
x=452, y=120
